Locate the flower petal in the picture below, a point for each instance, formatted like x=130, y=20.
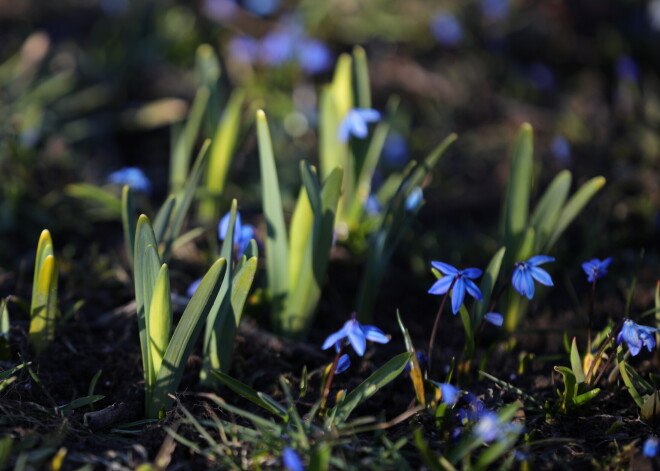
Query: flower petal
x=457, y=295
x=343, y=364
x=344, y=130
x=540, y=275
x=472, y=273
x=494, y=318
x=540, y=259
x=522, y=282
x=334, y=338
x=442, y=285
x=474, y=290
x=357, y=338
x=358, y=125
x=444, y=268
x=368, y=115
x=374, y=334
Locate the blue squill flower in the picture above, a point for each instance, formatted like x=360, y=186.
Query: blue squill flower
x=494, y=318
x=561, y=149
x=355, y=123
x=525, y=273
x=490, y=427
x=133, y=177
x=262, y=7
x=395, y=150
x=596, y=269
x=357, y=335
x=278, y=46
x=637, y=336
x=462, y=280
x=450, y=393
x=193, y=287
x=651, y=447
x=242, y=233
x=314, y=56
x=343, y=364
x=414, y=199
x=291, y=460
x=446, y=29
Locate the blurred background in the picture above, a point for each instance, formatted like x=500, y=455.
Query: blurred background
x=90, y=86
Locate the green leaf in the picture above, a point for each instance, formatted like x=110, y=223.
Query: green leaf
x=163, y=218
x=128, y=220
x=5, y=352
x=549, y=207
x=160, y=320
x=487, y=284
x=570, y=387
x=583, y=398
x=277, y=257
x=43, y=311
x=320, y=460
x=362, y=89
x=44, y=249
x=574, y=206
x=184, y=200
x=651, y=409
x=516, y=203
x=251, y=395
x=431, y=460
x=576, y=362
x=381, y=377
x=184, y=337
x=66, y=409
x=222, y=149
x=105, y=200
x=415, y=370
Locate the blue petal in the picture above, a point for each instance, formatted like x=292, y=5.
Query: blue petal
x=374, y=334
x=457, y=295
x=442, y=285
x=344, y=130
x=449, y=393
x=651, y=447
x=540, y=275
x=358, y=126
x=444, y=268
x=522, y=282
x=495, y=318
x=357, y=338
x=472, y=273
x=193, y=287
x=540, y=259
x=291, y=460
x=334, y=338
x=473, y=289
x=343, y=364
x=367, y=114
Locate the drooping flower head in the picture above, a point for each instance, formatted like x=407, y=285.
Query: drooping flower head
x=356, y=335
x=242, y=233
x=596, y=269
x=343, y=364
x=462, y=281
x=133, y=177
x=525, y=273
x=637, y=336
x=355, y=123
x=494, y=318
x=651, y=447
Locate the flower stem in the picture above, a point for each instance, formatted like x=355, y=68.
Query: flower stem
x=602, y=348
x=331, y=375
x=591, y=313
x=435, y=326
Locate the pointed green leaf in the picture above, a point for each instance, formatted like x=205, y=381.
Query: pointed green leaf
x=44, y=249
x=415, y=370
x=487, y=284
x=128, y=220
x=576, y=362
x=163, y=218
x=160, y=320
x=43, y=311
x=251, y=395
x=549, y=207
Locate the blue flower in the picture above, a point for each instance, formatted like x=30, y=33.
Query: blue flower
x=490, y=428
x=462, y=280
x=421, y=359
x=278, y=46
x=244, y=49
x=395, y=150
x=314, y=56
x=291, y=460
x=596, y=269
x=561, y=149
x=242, y=233
x=494, y=318
x=133, y=177
x=355, y=123
x=450, y=393
x=356, y=335
x=525, y=273
x=637, y=336
x=372, y=205
x=193, y=287
x=343, y=364
x=651, y=446
x=446, y=29
x=262, y=7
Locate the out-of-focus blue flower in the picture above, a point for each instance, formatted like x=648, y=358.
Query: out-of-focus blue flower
x=395, y=150
x=357, y=335
x=488, y=428
x=220, y=9
x=343, y=364
x=474, y=411
x=372, y=205
x=495, y=10
x=495, y=318
x=114, y=7
x=450, y=393
x=262, y=7
x=242, y=233
x=525, y=273
x=596, y=269
x=446, y=29
x=193, y=287
x=414, y=199
x=278, y=46
x=541, y=76
x=561, y=149
x=314, y=56
x=291, y=460
x=355, y=123
x=133, y=177
x=244, y=49
x=651, y=447
x=463, y=281
x=626, y=69
x=637, y=336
